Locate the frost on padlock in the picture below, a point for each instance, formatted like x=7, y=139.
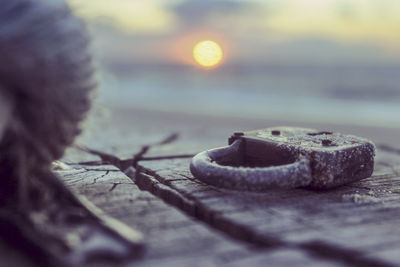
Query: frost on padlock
x=335, y=159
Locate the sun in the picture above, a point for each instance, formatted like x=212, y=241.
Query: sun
x=207, y=53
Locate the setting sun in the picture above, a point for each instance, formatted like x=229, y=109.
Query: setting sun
x=207, y=53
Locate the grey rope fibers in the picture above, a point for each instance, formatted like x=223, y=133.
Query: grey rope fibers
x=46, y=74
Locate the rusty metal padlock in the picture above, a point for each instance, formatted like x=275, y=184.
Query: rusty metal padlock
x=286, y=157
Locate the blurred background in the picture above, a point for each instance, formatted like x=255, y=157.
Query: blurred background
x=327, y=64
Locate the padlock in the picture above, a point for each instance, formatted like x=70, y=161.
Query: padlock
x=286, y=157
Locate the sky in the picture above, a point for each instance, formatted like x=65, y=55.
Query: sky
x=252, y=32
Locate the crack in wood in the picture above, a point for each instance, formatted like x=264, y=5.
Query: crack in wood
x=146, y=180
x=124, y=164
x=97, y=178
x=114, y=186
x=351, y=257
x=149, y=181
x=140, y=155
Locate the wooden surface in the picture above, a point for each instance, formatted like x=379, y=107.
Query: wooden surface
x=133, y=164
x=188, y=223
x=172, y=237
x=354, y=224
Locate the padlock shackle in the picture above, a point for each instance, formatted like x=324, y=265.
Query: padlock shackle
x=207, y=167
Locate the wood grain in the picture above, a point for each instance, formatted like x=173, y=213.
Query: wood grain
x=188, y=223
x=354, y=223
x=172, y=237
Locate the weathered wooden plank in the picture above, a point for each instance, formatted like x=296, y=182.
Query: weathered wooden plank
x=353, y=223
x=172, y=238
x=361, y=218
